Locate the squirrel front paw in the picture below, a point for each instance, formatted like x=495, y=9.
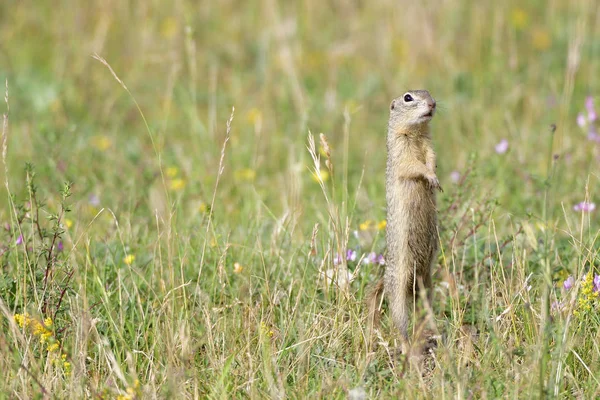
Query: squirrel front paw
x=434, y=183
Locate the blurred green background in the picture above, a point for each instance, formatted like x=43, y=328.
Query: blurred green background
x=498, y=70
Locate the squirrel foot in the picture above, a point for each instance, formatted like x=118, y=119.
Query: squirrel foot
x=434, y=183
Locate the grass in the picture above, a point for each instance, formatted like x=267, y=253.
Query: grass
x=160, y=244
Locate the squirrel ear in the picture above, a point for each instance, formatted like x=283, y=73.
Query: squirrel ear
x=393, y=105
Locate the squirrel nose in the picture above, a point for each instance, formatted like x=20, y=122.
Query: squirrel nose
x=432, y=105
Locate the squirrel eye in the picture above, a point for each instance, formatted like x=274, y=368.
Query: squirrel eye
x=408, y=98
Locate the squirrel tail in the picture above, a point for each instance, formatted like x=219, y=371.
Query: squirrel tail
x=374, y=297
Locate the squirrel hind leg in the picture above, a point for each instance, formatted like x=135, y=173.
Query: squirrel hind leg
x=374, y=299
x=400, y=305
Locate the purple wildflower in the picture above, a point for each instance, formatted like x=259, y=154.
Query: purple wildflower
x=589, y=106
x=584, y=206
x=370, y=258
x=337, y=259
x=60, y=246
x=581, y=120
x=502, y=147
x=373, y=257
x=593, y=134
x=569, y=282
x=454, y=176
x=350, y=255
x=597, y=283
x=94, y=200
x=19, y=240
x=380, y=260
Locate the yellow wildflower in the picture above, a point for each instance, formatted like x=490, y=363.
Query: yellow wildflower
x=67, y=367
x=172, y=172
x=203, y=207
x=587, y=296
x=368, y=224
x=129, y=259
x=131, y=391
x=169, y=27
x=320, y=176
x=68, y=223
x=35, y=327
x=381, y=225
x=53, y=347
x=519, y=18
x=266, y=330
x=237, y=267
x=177, y=184
x=254, y=116
x=21, y=319
x=45, y=336
x=101, y=142
x=66, y=364
x=244, y=174
x=560, y=276
x=38, y=328
x=540, y=39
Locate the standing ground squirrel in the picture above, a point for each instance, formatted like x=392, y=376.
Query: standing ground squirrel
x=411, y=183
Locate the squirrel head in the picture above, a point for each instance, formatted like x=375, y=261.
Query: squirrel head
x=413, y=109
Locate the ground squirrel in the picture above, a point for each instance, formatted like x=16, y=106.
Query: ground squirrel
x=411, y=183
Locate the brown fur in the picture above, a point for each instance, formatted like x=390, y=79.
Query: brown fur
x=411, y=233
x=373, y=301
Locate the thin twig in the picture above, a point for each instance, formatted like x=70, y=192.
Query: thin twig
x=212, y=203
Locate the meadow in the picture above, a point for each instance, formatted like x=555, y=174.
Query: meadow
x=194, y=205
